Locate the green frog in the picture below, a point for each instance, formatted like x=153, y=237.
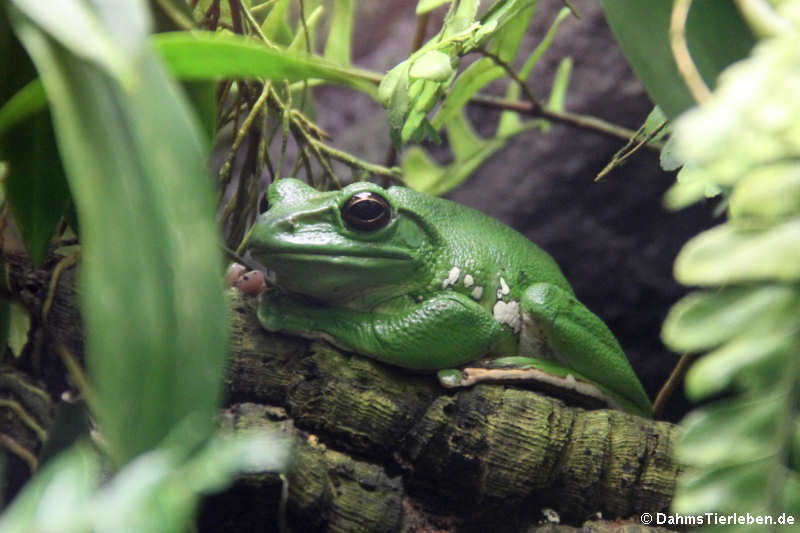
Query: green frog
x=428, y=284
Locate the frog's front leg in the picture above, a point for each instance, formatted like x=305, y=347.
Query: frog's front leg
x=443, y=331
x=581, y=341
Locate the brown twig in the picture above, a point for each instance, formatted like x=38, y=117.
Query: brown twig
x=535, y=105
x=562, y=117
x=618, y=159
x=674, y=379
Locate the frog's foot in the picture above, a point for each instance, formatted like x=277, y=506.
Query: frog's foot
x=248, y=282
x=541, y=375
x=452, y=378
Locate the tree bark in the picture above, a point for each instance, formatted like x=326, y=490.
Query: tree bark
x=378, y=448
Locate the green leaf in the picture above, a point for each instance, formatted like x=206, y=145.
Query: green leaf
x=716, y=35
x=299, y=43
x=205, y=55
x=509, y=120
x=500, y=14
x=755, y=425
x=151, y=281
x=558, y=93
x=418, y=114
x=736, y=489
x=77, y=27
x=770, y=192
x=18, y=328
x=475, y=77
x=728, y=254
x=24, y=104
x=36, y=189
x=69, y=481
x=669, y=161
x=156, y=493
x=5, y=315
x=470, y=152
x=432, y=65
x=420, y=171
x=337, y=47
x=704, y=320
x=203, y=96
x=653, y=121
x=752, y=363
x=275, y=27
x=424, y=6
x=693, y=184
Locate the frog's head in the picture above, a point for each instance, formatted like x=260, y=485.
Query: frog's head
x=337, y=246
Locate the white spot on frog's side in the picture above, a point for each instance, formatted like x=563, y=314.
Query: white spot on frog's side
x=468, y=281
x=504, y=286
x=477, y=292
x=570, y=378
x=531, y=339
x=507, y=313
x=452, y=277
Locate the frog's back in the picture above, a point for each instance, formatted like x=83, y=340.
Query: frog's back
x=482, y=246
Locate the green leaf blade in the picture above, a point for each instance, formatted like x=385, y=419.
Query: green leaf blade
x=205, y=55
x=152, y=283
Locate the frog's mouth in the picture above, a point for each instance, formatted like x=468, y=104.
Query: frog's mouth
x=352, y=255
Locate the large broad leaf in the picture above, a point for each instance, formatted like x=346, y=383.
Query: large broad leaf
x=151, y=273
x=156, y=493
x=729, y=254
x=751, y=364
x=36, y=189
x=205, y=55
x=716, y=35
x=706, y=320
x=337, y=47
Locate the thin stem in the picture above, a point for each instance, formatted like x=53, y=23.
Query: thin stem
x=78, y=376
x=175, y=15
x=24, y=417
x=225, y=170
x=322, y=158
x=54, y=279
x=680, y=51
x=618, y=159
x=236, y=16
x=354, y=162
x=513, y=75
x=674, y=379
x=263, y=157
x=563, y=117
x=256, y=27
x=20, y=451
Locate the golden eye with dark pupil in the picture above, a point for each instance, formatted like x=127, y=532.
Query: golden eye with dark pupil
x=366, y=211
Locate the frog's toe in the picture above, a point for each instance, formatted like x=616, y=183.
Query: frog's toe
x=450, y=378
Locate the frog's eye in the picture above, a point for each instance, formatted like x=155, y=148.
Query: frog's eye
x=366, y=211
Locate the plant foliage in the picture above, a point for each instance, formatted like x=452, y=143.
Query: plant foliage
x=151, y=298
x=742, y=144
